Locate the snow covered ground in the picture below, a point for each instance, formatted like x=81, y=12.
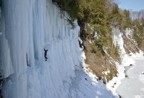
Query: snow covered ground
x=133, y=85
x=29, y=26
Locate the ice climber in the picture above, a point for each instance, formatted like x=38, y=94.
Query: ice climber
x=45, y=54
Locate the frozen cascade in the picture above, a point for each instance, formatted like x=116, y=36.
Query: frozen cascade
x=126, y=60
x=29, y=26
x=118, y=41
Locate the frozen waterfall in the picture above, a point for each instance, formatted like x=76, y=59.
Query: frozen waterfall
x=29, y=26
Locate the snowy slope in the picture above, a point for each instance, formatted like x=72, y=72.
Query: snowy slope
x=29, y=26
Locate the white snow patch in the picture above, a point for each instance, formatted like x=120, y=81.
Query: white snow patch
x=128, y=33
x=106, y=72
